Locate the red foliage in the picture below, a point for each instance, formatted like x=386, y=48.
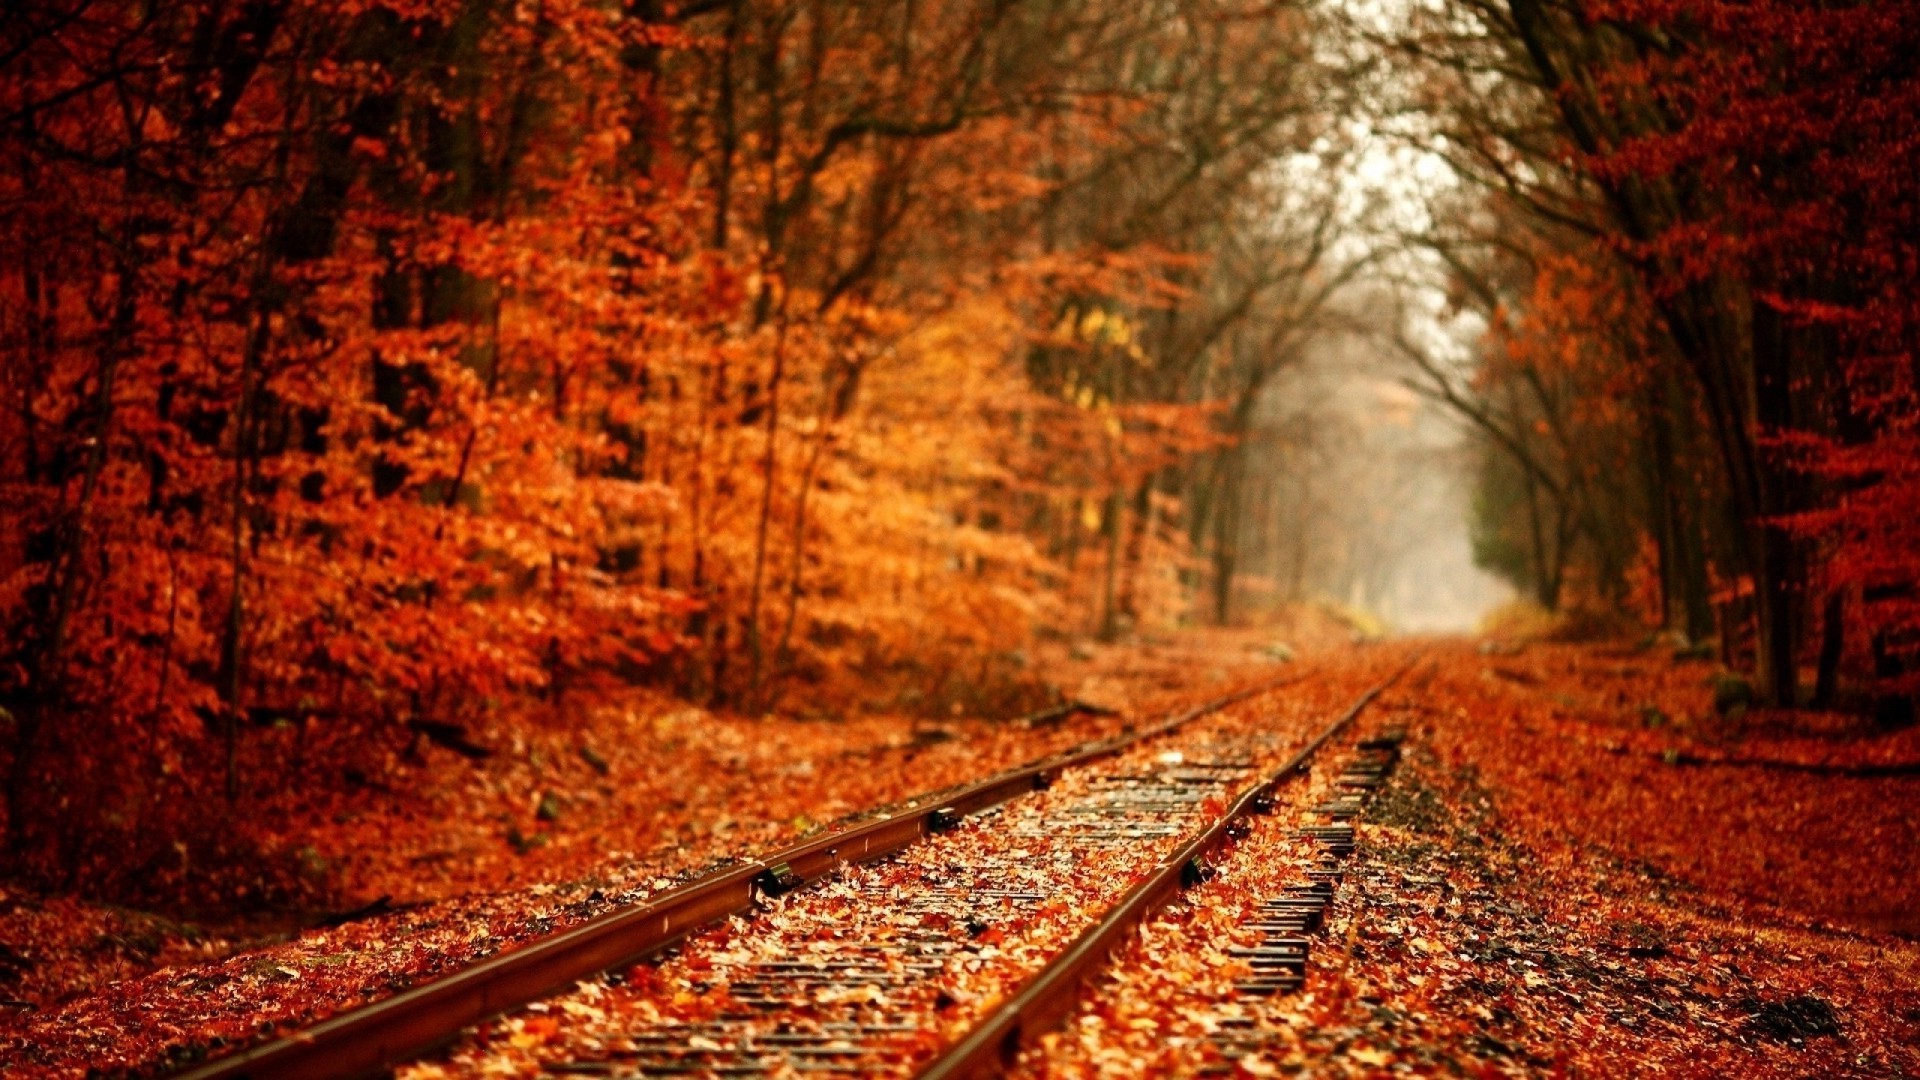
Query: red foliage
x=1797, y=118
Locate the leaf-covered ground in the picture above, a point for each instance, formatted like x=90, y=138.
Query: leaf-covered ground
x=1583, y=863
x=1546, y=886
x=874, y=921
x=439, y=867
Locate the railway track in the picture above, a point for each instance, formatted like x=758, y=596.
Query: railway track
x=934, y=939
x=1293, y=910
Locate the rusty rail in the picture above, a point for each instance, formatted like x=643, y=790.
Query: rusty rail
x=366, y=1040
x=1047, y=998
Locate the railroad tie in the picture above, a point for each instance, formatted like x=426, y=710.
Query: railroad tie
x=1284, y=923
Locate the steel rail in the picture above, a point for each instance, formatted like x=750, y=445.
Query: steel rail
x=1046, y=999
x=367, y=1040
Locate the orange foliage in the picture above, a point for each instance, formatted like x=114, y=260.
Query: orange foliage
x=371, y=369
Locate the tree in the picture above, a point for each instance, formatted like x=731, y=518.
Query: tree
x=1732, y=175
x=391, y=375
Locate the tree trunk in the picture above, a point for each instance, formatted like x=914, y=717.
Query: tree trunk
x=1138, y=526
x=1109, y=611
x=769, y=464
x=1780, y=571
x=47, y=662
x=1833, y=640
x=1226, y=534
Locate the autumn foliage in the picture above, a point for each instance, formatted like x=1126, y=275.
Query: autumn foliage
x=1690, y=238
x=374, y=372
x=390, y=373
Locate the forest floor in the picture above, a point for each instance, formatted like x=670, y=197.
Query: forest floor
x=1583, y=864
x=1580, y=867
